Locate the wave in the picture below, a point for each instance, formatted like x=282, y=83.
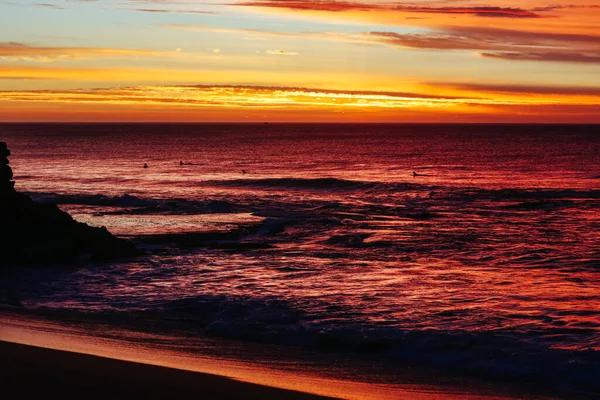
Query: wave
x=541, y=205
x=130, y=204
x=125, y=200
x=529, y=198
x=440, y=191
x=541, y=194
x=243, y=237
x=295, y=183
x=499, y=355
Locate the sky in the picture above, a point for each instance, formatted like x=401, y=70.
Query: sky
x=300, y=61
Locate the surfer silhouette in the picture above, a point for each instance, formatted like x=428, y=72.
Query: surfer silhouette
x=415, y=174
x=244, y=172
x=145, y=165
x=180, y=162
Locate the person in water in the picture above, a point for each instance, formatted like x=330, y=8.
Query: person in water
x=145, y=165
x=415, y=174
x=180, y=162
x=244, y=172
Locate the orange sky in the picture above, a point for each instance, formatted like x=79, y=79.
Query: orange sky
x=274, y=60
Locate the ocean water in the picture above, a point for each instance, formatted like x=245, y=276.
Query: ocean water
x=487, y=262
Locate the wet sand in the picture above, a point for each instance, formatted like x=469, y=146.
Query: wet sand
x=31, y=371
x=42, y=357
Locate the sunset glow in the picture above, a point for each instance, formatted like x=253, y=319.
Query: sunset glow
x=271, y=60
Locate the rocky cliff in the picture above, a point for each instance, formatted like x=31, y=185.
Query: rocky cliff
x=42, y=234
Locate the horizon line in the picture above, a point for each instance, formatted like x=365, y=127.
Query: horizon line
x=286, y=123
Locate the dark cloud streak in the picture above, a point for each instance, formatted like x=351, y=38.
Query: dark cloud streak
x=548, y=56
x=501, y=43
x=499, y=12
x=523, y=89
x=339, y=6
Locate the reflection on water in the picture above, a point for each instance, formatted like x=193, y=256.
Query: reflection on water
x=488, y=261
x=130, y=224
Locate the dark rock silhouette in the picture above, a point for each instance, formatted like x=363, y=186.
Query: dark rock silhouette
x=6, y=175
x=42, y=234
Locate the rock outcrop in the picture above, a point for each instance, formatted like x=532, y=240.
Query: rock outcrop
x=6, y=175
x=41, y=234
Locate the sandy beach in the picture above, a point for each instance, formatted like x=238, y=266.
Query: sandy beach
x=30, y=371
x=70, y=361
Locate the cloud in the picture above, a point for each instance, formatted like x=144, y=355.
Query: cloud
x=340, y=6
x=156, y=10
x=501, y=43
x=499, y=12
x=281, y=53
x=331, y=6
x=262, y=34
x=270, y=97
x=57, y=7
x=43, y=5
x=522, y=89
x=237, y=31
x=546, y=56
x=433, y=40
x=481, y=38
x=14, y=51
x=235, y=96
x=229, y=102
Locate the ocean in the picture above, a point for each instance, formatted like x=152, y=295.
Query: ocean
x=469, y=249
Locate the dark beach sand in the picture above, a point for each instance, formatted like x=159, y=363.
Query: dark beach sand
x=36, y=372
x=41, y=358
